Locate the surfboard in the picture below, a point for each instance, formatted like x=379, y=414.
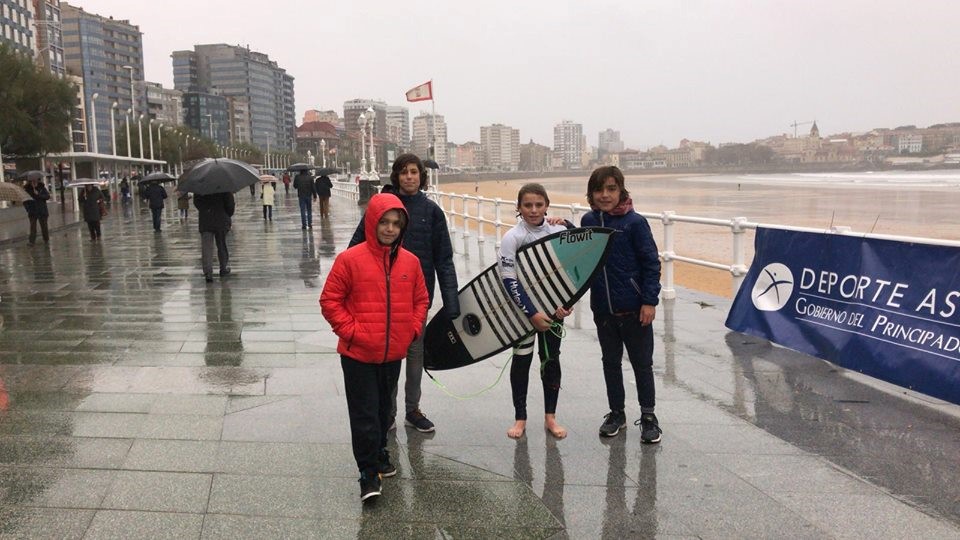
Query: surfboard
x=555, y=271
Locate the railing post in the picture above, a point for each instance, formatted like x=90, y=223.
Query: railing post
x=739, y=269
x=668, y=291
x=450, y=216
x=480, y=235
x=498, y=223
x=466, y=228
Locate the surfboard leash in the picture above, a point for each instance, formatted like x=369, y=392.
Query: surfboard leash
x=443, y=388
x=557, y=329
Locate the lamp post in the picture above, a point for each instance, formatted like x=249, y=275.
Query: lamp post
x=140, y=131
x=362, y=121
x=372, y=117
x=266, y=157
x=323, y=151
x=113, y=130
x=93, y=118
x=133, y=100
x=210, y=124
x=150, y=131
x=126, y=122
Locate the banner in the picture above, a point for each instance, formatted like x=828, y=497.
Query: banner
x=424, y=92
x=885, y=308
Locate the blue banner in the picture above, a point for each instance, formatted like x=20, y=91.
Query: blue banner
x=885, y=308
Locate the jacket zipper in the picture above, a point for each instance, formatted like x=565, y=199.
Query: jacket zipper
x=386, y=267
x=606, y=280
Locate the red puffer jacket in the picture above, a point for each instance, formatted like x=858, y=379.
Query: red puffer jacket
x=375, y=297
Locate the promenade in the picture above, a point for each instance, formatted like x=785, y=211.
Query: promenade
x=137, y=401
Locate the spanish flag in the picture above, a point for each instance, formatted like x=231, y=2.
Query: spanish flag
x=424, y=92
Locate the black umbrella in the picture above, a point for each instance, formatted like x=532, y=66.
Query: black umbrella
x=30, y=175
x=297, y=167
x=217, y=176
x=430, y=164
x=325, y=171
x=158, y=177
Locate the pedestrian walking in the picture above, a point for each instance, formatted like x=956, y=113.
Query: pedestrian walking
x=253, y=191
x=215, y=212
x=266, y=193
x=36, y=208
x=94, y=208
x=154, y=193
x=532, y=205
x=428, y=238
x=376, y=302
x=125, y=190
x=323, y=187
x=306, y=192
x=623, y=298
x=183, y=204
x=286, y=182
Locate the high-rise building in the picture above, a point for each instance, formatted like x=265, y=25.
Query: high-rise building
x=429, y=131
x=208, y=114
x=165, y=105
x=399, y=118
x=609, y=142
x=49, y=36
x=500, y=145
x=262, y=91
x=108, y=54
x=17, y=25
x=568, y=144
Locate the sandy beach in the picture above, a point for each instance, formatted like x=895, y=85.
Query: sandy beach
x=898, y=205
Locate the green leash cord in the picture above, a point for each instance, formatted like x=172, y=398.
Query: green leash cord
x=556, y=329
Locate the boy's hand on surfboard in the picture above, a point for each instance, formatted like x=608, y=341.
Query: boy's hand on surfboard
x=540, y=321
x=562, y=313
x=554, y=220
x=647, y=314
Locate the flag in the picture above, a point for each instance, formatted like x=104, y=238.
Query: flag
x=424, y=92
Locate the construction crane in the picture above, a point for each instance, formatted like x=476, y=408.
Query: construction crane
x=795, y=124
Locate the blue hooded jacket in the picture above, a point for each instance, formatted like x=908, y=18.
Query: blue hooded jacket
x=631, y=275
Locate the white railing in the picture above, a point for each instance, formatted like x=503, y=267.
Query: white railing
x=475, y=214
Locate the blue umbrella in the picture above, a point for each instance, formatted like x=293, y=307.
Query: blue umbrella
x=218, y=175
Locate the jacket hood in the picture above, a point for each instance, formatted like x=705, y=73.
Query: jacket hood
x=379, y=205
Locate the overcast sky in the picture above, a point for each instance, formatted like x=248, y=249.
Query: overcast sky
x=657, y=71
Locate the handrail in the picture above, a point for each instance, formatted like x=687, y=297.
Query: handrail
x=458, y=206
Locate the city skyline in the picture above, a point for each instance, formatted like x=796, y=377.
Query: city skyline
x=657, y=73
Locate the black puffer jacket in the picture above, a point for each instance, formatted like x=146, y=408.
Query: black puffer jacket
x=38, y=206
x=428, y=238
x=215, y=211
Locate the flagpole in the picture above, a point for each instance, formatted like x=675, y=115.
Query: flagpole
x=433, y=127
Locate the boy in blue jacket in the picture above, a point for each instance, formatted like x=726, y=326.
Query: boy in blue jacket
x=623, y=298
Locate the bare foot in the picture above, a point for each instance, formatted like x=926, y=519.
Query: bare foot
x=555, y=429
x=517, y=430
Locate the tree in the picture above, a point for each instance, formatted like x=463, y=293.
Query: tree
x=36, y=107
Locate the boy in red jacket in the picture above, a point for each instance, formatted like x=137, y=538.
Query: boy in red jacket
x=376, y=301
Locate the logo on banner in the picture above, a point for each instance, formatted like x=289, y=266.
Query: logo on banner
x=773, y=287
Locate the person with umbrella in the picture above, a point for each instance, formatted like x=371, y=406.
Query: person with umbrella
x=213, y=183
x=266, y=193
x=94, y=208
x=323, y=186
x=37, y=209
x=286, y=182
x=183, y=204
x=155, y=194
x=125, y=190
x=306, y=192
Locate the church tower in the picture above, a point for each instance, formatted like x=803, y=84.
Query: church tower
x=814, y=130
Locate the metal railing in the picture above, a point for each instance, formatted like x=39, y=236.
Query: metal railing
x=476, y=214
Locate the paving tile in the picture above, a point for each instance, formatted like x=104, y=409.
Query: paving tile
x=158, y=492
x=44, y=523
x=122, y=525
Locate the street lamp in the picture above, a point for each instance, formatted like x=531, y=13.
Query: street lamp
x=323, y=151
x=373, y=156
x=150, y=131
x=113, y=131
x=362, y=121
x=210, y=124
x=126, y=121
x=93, y=118
x=133, y=100
x=140, y=131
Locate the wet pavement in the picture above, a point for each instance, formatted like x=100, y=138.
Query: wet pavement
x=138, y=401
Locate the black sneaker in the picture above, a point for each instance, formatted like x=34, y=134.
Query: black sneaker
x=649, y=428
x=369, y=485
x=386, y=468
x=613, y=422
x=208, y=278
x=418, y=421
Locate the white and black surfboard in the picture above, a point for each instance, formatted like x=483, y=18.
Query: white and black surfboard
x=556, y=271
